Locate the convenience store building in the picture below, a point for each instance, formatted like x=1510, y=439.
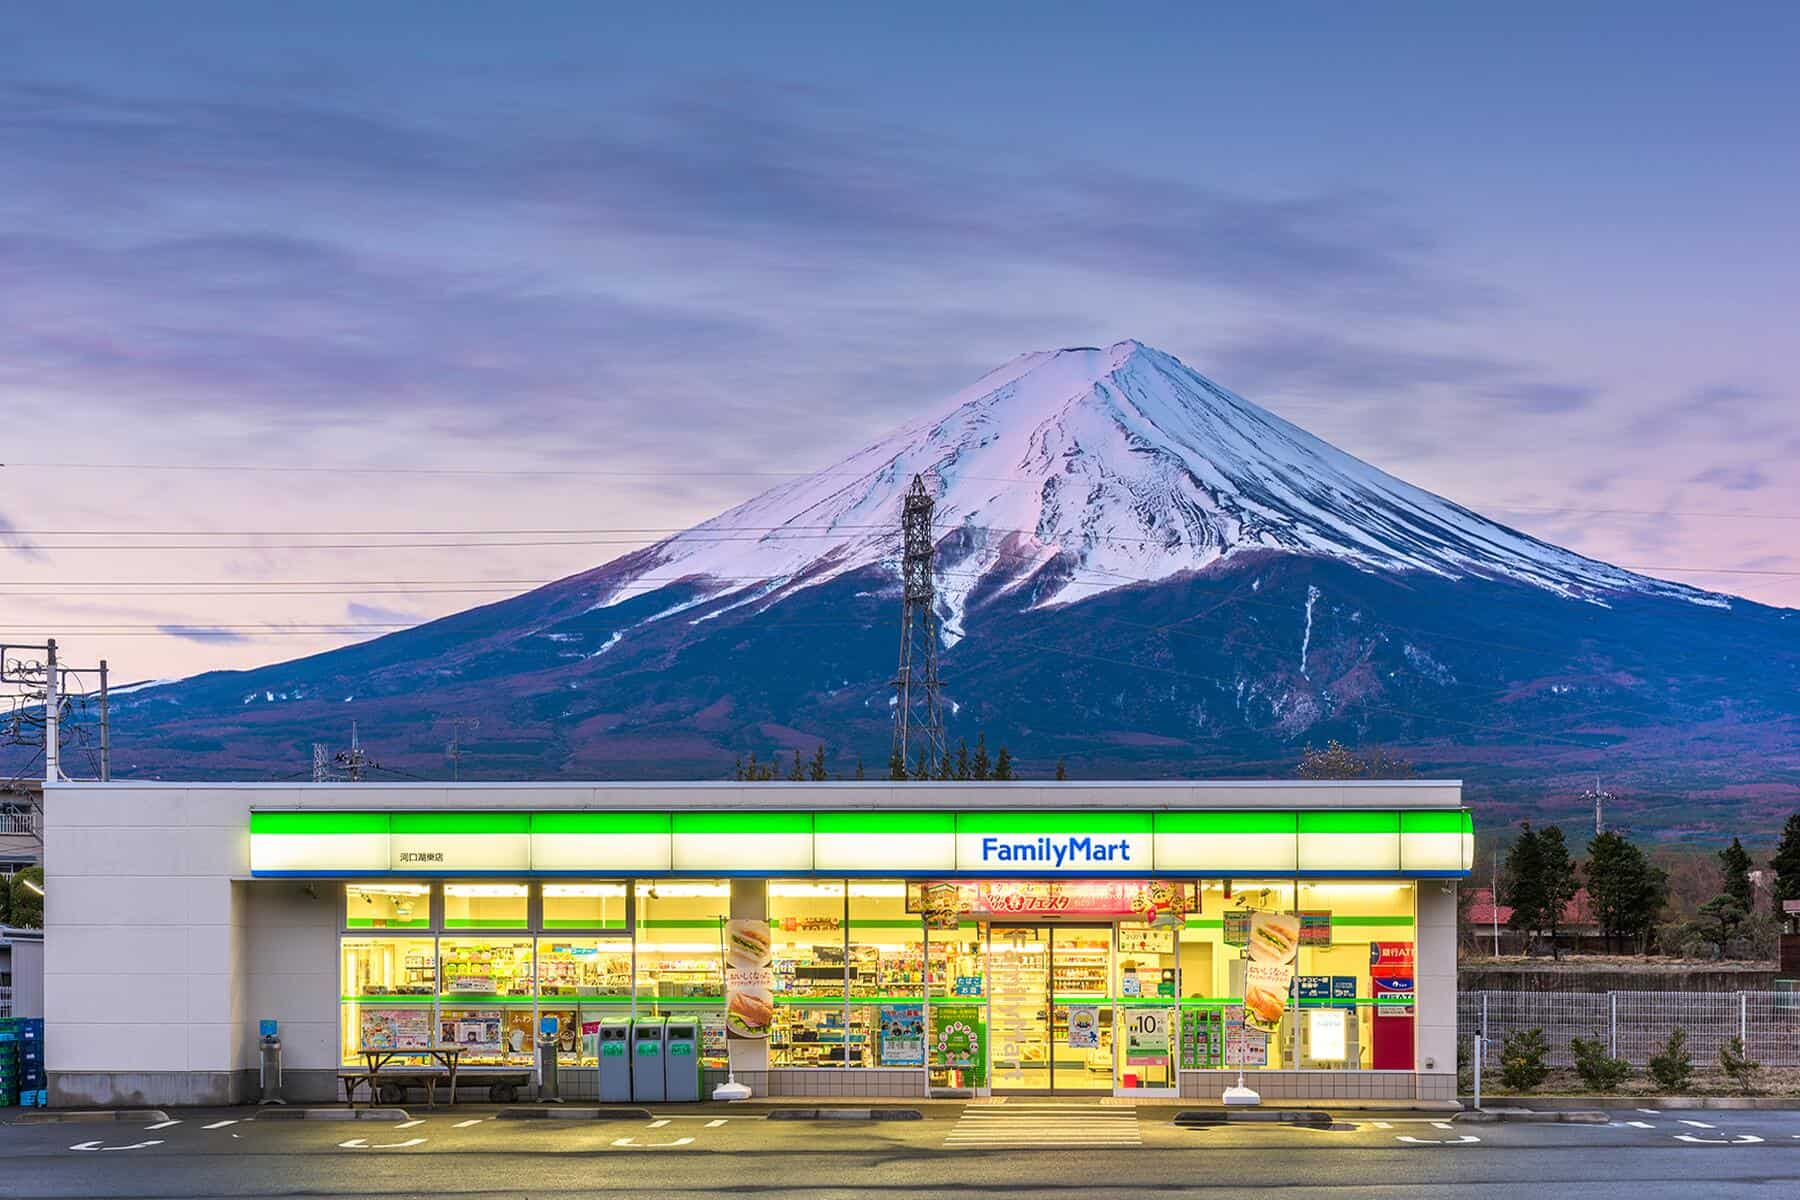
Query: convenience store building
x=834, y=939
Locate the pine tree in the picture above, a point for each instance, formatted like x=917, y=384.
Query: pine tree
x=737, y=768
x=896, y=766
x=943, y=768
x=979, y=770
x=751, y=771
x=1062, y=769
x=859, y=768
x=921, y=765
x=816, y=770
x=1561, y=881
x=962, y=759
x=1003, y=766
x=1786, y=864
x=797, y=773
x=1735, y=861
x=1626, y=892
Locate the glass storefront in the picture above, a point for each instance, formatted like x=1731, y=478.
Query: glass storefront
x=902, y=974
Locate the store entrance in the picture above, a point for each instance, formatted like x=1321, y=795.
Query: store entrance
x=1052, y=1018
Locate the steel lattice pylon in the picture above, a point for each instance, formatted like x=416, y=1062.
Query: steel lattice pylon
x=918, y=699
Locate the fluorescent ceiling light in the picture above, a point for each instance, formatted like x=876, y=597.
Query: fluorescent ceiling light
x=487, y=890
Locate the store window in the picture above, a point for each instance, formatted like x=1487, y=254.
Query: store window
x=386, y=989
x=1350, y=1013
x=887, y=977
x=580, y=981
x=806, y=939
x=1213, y=954
x=956, y=1006
x=387, y=906
x=487, y=905
x=485, y=1002
x=680, y=929
x=585, y=904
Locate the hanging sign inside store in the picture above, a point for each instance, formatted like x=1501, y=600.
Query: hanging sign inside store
x=749, y=979
x=1096, y=899
x=1315, y=927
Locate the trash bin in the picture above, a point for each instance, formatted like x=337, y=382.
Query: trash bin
x=681, y=1056
x=615, y=1060
x=647, y=1058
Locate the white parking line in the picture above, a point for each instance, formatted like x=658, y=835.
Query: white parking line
x=466, y=1124
x=1440, y=1124
x=163, y=1124
x=408, y=1124
x=659, y=1124
x=220, y=1124
x=1699, y=1124
x=715, y=1124
x=1655, y=1112
x=1640, y=1125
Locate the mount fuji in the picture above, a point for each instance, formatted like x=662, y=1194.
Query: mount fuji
x=1138, y=571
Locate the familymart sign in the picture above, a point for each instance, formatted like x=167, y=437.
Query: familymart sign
x=1339, y=842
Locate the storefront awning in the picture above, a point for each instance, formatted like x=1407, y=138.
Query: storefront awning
x=1324, y=843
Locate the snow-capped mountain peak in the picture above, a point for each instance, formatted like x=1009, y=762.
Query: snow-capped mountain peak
x=1082, y=470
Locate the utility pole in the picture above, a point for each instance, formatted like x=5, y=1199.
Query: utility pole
x=46, y=681
x=454, y=747
x=105, y=730
x=917, y=692
x=354, y=761
x=1599, y=797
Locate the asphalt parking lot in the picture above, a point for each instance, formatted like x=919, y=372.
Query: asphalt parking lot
x=1021, y=1147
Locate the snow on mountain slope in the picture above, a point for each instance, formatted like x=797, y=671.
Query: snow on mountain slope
x=1108, y=467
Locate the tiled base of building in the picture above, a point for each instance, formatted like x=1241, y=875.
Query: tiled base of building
x=1322, y=1085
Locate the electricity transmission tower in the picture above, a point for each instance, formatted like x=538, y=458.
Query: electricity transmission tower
x=918, y=700
x=354, y=761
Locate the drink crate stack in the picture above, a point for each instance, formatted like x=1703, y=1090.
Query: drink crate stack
x=22, y=1079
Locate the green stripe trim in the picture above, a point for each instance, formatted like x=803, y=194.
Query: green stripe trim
x=884, y=822
x=1054, y=822
x=596, y=926
x=1393, y=921
x=1433, y=822
x=1226, y=822
x=743, y=822
x=314, y=823
x=1350, y=821
x=600, y=822
x=518, y=923
x=460, y=822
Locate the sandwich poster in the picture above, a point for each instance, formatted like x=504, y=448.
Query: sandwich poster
x=749, y=979
x=1272, y=947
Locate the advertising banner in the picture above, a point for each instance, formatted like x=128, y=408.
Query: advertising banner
x=1153, y=901
x=396, y=1028
x=1391, y=977
x=1084, y=1027
x=957, y=1043
x=903, y=1035
x=1315, y=928
x=1147, y=1037
x=1273, y=945
x=1245, y=1046
x=476, y=1033
x=749, y=979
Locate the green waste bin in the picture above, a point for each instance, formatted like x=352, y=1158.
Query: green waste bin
x=681, y=1053
x=647, y=1082
x=614, y=1051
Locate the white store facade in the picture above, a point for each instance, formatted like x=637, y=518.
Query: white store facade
x=919, y=938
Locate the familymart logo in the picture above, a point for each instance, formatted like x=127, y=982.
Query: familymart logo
x=1057, y=852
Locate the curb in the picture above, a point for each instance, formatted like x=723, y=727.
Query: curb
x=1206, y=1117
x=1489, y=1116
x=1620, y=1101
x=84, y=1116
x=573, y=1114
x=846, y=1114
x=333, y=1114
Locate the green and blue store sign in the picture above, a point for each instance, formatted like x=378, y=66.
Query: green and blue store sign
x=1325, y=843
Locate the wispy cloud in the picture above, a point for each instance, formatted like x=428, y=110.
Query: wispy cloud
x=198, y=633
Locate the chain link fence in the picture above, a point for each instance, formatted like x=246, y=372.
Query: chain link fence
x=1634, y=1025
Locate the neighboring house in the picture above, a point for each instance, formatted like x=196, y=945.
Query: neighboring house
x=21, y=827
x=21, y=972
x=1578, y=933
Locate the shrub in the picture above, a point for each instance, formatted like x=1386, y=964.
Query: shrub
x=1465, y=1063
x=1522, y=1065
x=1672, y=1067
x=1598, y=1069
x=1738, y=1066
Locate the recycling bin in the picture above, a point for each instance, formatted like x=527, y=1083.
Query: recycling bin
x=681, y=1056
x=615, y=1060
x=647, y=1081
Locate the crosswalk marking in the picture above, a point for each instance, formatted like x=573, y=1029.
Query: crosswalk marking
x=1045, y=1125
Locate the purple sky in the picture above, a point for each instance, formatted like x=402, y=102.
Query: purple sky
x=1542, y=264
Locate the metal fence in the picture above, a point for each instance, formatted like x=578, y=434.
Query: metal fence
x=5, y=1002
x=14, y=823
x=1634, y=1025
